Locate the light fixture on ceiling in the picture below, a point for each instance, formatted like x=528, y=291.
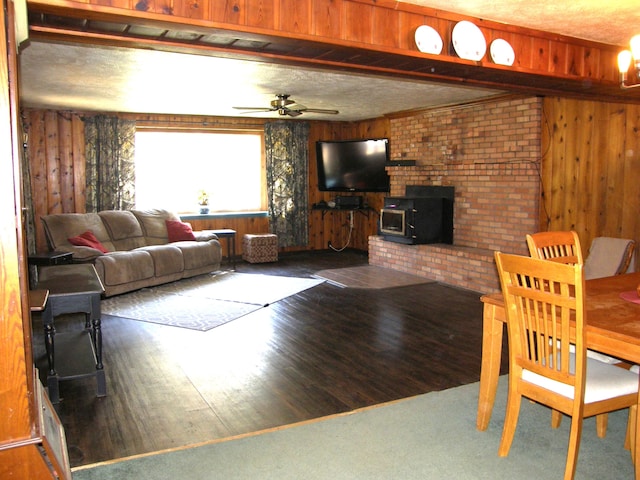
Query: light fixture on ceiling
x=624, y=62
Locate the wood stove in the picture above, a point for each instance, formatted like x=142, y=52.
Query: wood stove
x=424, y=215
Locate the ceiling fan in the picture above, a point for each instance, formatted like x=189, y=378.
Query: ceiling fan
x=286, y=107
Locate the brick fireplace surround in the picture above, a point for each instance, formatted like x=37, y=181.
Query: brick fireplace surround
x=490, y=152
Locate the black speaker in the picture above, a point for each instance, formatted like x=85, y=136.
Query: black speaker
x=351, y=201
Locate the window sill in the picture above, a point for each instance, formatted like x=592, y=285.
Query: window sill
x=214, y=215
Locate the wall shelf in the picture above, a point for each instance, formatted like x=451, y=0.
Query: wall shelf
x=325, y=208
x=401, y=163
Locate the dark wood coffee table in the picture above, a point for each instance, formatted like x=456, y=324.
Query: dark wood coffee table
x=72, y=289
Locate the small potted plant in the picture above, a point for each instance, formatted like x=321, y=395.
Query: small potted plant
x=203, y=201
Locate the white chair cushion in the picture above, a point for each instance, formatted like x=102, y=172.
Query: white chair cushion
x=603, y=381
x=601, y=357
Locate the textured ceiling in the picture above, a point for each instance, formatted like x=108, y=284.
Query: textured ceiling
x=606, y=21
x=83, y=77
x=131, y=80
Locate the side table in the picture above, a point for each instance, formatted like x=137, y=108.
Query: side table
x=46, y=259
x=72, y=289
x=230, y=236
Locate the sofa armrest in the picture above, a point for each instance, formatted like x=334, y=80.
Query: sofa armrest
x=204, y=236
x=80, y=253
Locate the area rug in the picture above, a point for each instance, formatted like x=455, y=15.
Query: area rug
x=206, y=301
x=369, y=276
x=431, y=436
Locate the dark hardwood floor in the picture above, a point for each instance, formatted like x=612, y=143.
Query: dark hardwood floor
x=323, y=351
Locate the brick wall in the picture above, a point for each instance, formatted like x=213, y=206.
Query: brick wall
x=490, y=153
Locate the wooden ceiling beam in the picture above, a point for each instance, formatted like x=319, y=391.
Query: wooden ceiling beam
x=367, y=37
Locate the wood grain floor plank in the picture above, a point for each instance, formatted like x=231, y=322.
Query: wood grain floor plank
x=323, y=351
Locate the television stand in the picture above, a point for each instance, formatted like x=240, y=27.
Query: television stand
x=324, y=208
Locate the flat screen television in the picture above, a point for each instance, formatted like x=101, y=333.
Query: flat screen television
x=353, y=165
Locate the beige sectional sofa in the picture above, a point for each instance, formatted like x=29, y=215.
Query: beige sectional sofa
x=139, y=253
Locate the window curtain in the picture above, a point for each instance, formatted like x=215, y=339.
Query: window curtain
x=287, y=158
x=27, y=194
x=110, y=169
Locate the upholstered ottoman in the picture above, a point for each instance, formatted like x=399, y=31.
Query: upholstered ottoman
x=260, y=247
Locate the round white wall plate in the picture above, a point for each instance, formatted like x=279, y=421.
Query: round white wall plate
x=502, y=52
x=428, y=40
x=468, y=41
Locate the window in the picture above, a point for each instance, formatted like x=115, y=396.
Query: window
x=173, y=167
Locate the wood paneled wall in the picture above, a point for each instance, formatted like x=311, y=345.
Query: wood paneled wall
x=591, y=169
x=590, y=172
x=334, y=226
x=56, y=158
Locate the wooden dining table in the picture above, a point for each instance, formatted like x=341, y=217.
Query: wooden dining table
x=612, y=327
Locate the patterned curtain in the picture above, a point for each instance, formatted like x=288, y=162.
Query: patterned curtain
x=287, y=156
x=27, y=194
x=110, y=169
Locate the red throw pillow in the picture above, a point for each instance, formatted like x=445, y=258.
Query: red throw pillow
x=179, y=231
x=88, y=239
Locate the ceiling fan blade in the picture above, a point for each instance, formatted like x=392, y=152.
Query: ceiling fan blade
x=255, y=109
x=319, y=110
x=296, y=106
x=286, y=107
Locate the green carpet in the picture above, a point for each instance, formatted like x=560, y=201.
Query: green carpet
x=430, y=436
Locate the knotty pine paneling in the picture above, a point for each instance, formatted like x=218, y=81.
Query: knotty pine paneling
x=385, y=29
x=57, y=162
x=325, y=18
x=407, y=25
x=591, y=169
x=241, y=225
x=228, y=11
x=55, y=149
x=335, y=225
x=295, y=16
x=262, y=13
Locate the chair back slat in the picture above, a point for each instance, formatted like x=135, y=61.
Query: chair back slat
x=544, y=305
x=557, y=246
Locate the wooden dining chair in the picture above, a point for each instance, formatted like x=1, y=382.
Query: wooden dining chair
x=557, y=246
x=544, y=302
x=609, y=256
x=564, y=247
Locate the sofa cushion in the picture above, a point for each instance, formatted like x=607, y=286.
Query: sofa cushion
x=60, y=227
x=199, y=254
x=179, y=231
x=124, y=229
x=117, y=268
x=167, y=259
x=153, y=225
x=87, y=239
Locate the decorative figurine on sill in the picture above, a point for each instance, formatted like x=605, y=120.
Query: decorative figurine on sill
x=203, y=201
